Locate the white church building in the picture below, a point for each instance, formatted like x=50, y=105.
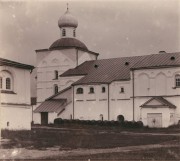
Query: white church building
x=73, y=84
x=15, y=104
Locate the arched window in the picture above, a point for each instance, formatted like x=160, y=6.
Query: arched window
x=91, y=90
x=8, y=83
x=79, y=91
x=103, y=89
x=74, y=33
x=1, y=83
x=55, y=88
x=177, y=80
x=63, y=32
x=6, y=80
x=56, y=74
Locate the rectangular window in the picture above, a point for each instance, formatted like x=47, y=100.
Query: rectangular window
x=178, y=82
x=177, y=79
x=0, y=82
x=8, y=83
x=122, y=90
x=103, y=89
x=56, y=74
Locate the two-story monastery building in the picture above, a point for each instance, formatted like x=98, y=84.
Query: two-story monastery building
x=73, y=84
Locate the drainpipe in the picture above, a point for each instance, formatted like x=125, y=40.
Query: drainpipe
x=108, y=104
x=73, y=102
x=133, y=91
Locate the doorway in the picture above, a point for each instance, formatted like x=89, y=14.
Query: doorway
x=44, y=118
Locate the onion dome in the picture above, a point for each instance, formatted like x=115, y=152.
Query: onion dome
x=68, y=42
x=67, y=20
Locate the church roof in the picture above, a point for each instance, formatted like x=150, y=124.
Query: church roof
x=115, y=69
x=7, y=62
x=68, y=42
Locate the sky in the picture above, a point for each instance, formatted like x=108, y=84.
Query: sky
x=111, y=28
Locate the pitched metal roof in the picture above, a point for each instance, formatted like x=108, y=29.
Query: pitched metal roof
x=108, y=70
x=14, y=64
x=53, y=105
x=159, y=60
x=159, y=99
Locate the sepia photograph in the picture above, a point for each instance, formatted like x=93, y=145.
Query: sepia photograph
x=90, y=80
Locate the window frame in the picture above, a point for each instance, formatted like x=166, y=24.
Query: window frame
x=56, y=74
x=122, y=90
x=1, y=82
x=91, y=90
x=63, y=32
x=8, y=83
x=74, y=33
x=79, y=90
x=56, y=89
x=103, y=89
x=177, y=80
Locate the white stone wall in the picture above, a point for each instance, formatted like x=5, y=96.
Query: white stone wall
x=60, y=60
x=67, y=113
x=18, y=117
x=90, y=106
x=120, y=102
x=156, y=82
x=15, y=107
x=165, y=115
x=20, y=86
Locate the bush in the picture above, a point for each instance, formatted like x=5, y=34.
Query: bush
x=132, y=124
x=120, y=118
x=140, y=123
x=58, y=121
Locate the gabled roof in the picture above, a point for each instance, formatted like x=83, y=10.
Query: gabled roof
x=53, y=105
x=7, y=62
x=115, y=69
x=163, y=102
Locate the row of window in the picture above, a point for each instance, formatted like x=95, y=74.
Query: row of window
x=64, y=32
x=91, y=90
x=7, y=83
x=79, y=90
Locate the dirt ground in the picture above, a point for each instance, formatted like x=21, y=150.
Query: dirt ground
x=84, y=144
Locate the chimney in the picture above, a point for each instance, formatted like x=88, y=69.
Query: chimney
x=161, y=52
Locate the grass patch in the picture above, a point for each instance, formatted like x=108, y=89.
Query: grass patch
x=81, y=138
